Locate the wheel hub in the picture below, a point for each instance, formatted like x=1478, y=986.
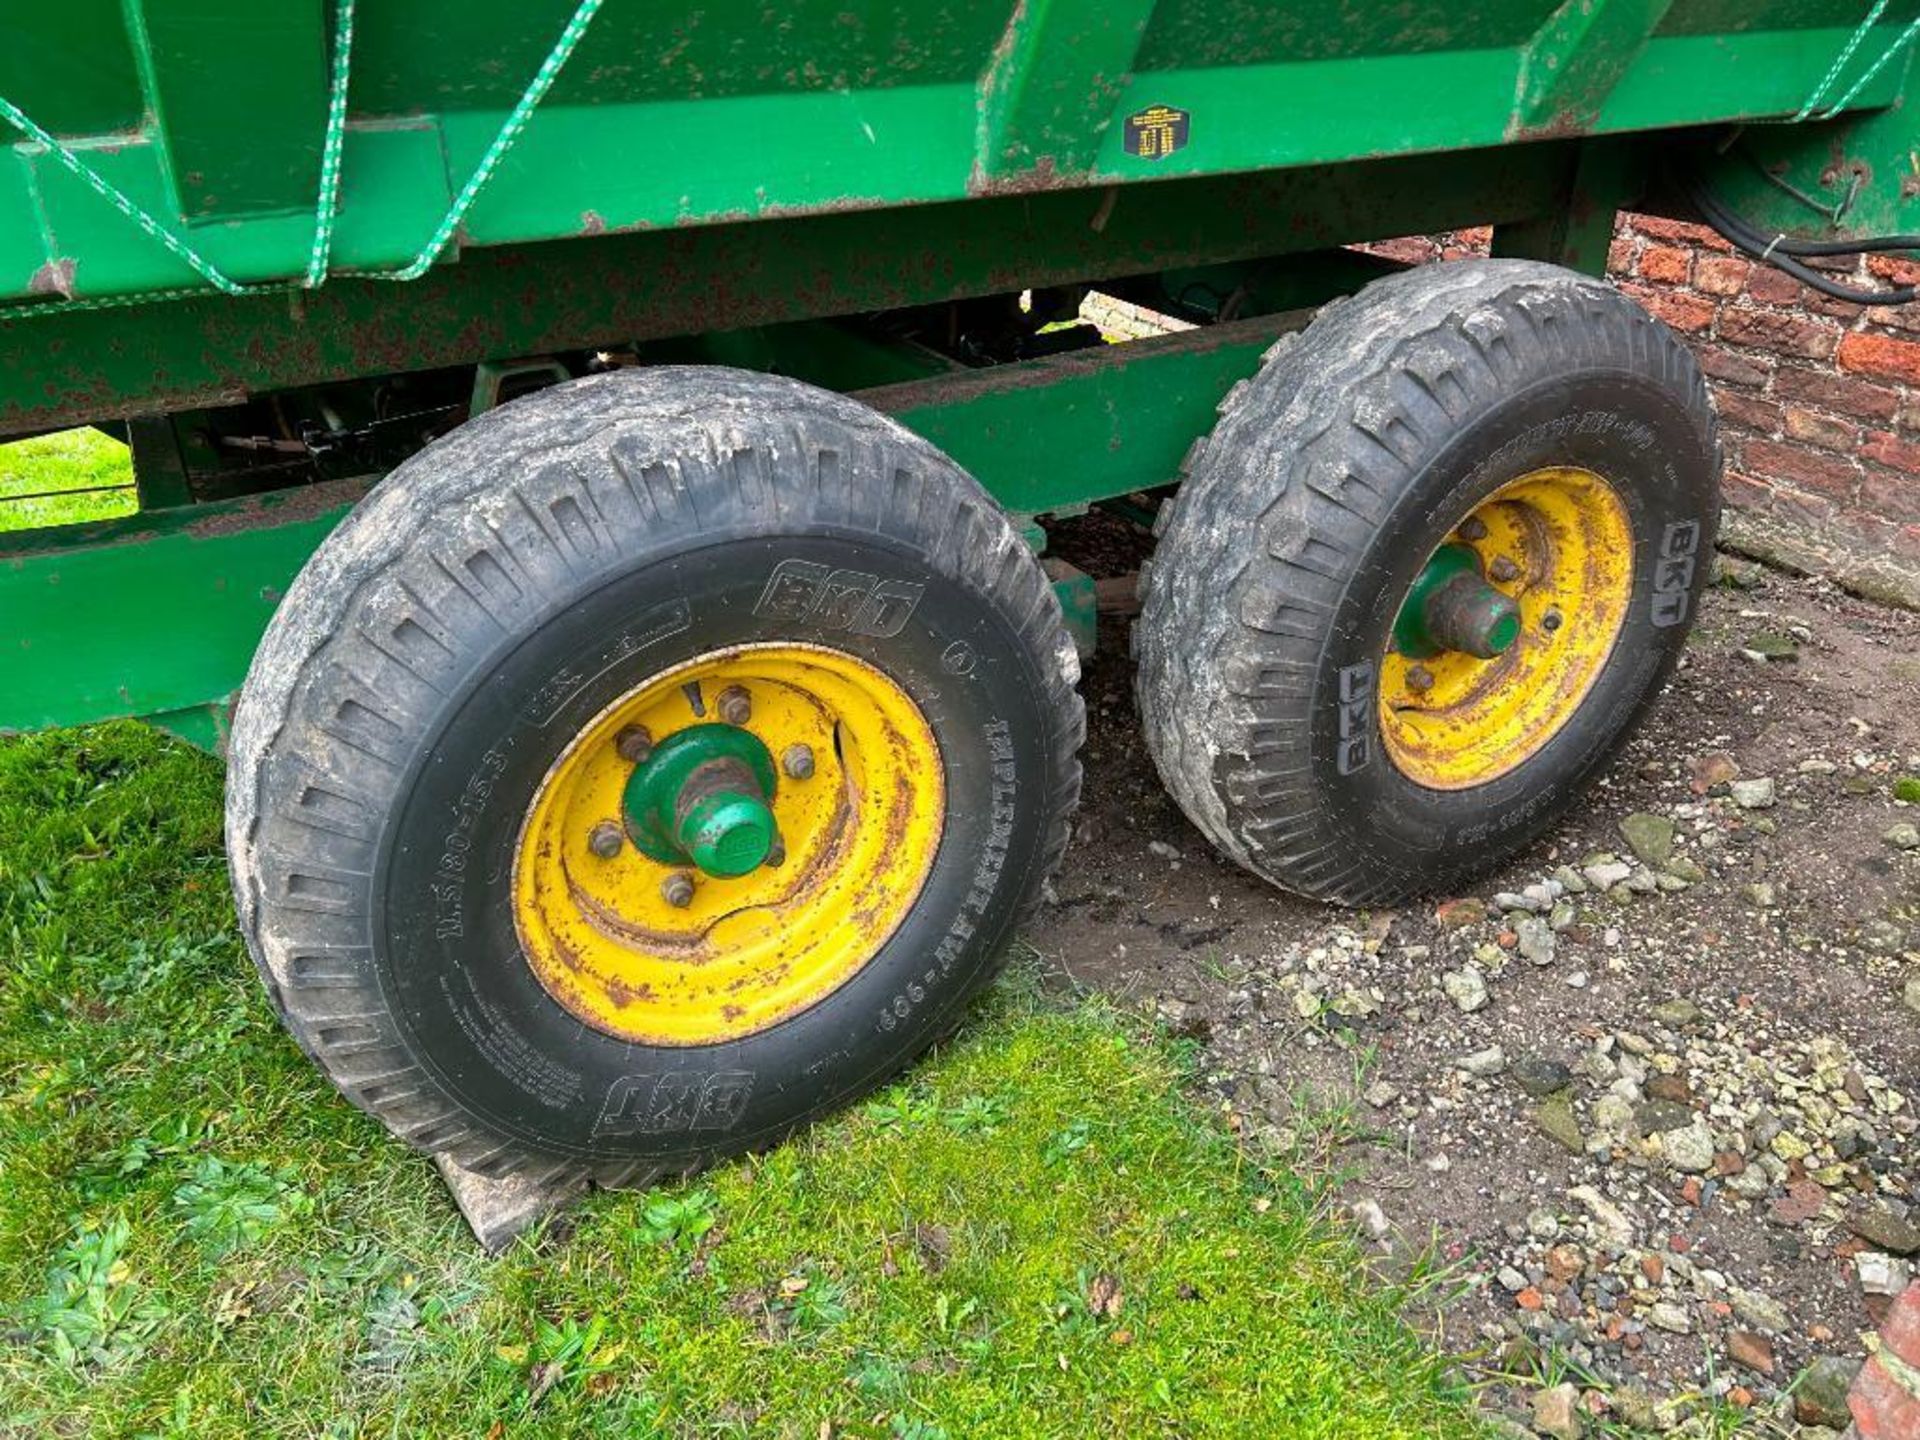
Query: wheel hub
x=1452, y=607
x=1506, y=628
x=738, y=889
x=704, y=798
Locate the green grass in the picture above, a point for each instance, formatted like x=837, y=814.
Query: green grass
x=1036, y=1234
x=66, y=460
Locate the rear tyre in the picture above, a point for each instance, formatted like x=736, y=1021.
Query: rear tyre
x=651, y=766
x=1425, y=576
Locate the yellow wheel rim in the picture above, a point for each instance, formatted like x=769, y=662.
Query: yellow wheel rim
x=1559, y=544
x=859, y=834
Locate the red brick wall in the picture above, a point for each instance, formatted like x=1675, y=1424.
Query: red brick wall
x=1819, y=400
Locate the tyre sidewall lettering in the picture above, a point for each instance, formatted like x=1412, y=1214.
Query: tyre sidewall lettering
x=479, y=1016
x=1674, y=569
x=1641, y=440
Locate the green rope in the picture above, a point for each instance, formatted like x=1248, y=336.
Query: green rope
x=1834, y=70
x=516, y=121
x=1840, y=61
x=1904, y=39
x=120, y=200
x=15, y=310
x=326, y=204
x=323, y=214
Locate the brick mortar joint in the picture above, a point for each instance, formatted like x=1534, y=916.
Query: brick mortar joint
x=1819, y=398
x=1833, y=388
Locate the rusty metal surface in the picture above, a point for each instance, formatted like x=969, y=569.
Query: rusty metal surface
x=732, y=111
x=737, y=952
x=153, y=614
x=536, y=300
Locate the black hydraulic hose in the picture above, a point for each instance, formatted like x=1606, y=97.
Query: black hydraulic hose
x=1849, y=247
x=1780, y=250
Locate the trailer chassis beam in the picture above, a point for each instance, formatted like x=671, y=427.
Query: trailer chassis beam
x=78, y=367
x=158, y=615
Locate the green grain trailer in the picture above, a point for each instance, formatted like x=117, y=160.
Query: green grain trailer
x=590, y=460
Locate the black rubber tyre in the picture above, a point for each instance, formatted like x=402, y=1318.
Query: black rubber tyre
x=1305, y=516
x=496, y=592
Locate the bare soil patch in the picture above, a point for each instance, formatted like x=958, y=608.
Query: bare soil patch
x=1675, y=1142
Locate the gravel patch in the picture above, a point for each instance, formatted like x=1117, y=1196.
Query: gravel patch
x=1651, y=1091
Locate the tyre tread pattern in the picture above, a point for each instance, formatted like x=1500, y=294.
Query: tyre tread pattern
x=524, y=505
x=1280, y=501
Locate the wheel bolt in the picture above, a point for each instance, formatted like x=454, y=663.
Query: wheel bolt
x=734, y=706
x=798, y=762
x=1419, y=679
x=635, y=744
x=1503, y=569
x=677, y=890
x=1473, y=528
x=776, y=854
x=604, y=840
x=1550, y=621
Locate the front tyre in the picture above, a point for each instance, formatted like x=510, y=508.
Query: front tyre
x=1426, y=575
x=651, y=766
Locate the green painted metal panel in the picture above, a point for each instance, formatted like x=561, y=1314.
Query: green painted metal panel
x=1774, y=75
x=1577, y=58
x=1353, y=107
x=149, y=614
x=1079, y=604
x=1578, y=231
x=1220, y=33
x=1809, y=191
x=703, y=161
x=680, y=114
x=239, y=136
x=1048, y=94
x=205, y=727
x=531, y=300
x=76, y=63
x=1057, y=433
x=450, y=55
x=161, y=613
x=104, y=253
x=23, y=249
x=114, y=258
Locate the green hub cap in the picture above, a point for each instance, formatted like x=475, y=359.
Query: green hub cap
x=702, y=798
x=1451, y=607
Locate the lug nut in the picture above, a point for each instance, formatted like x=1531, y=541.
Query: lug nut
x=797, y=761
x=1550, y=621
x=635, y=744
x=677, y=890
x=1503, y=569
x=1473, y=528
x=734, y=706
x=776, y=854
x=604, y=840
x=1419, y=679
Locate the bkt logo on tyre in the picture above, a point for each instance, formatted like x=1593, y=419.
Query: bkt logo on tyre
x=850, y=600
x=674, y=1103
x=1356, y=718
x=1673, y=572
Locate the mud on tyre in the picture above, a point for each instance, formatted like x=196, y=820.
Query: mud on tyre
x=523, y=840
x=1426, y=575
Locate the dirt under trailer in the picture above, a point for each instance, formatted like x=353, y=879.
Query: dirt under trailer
x=593, y=460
